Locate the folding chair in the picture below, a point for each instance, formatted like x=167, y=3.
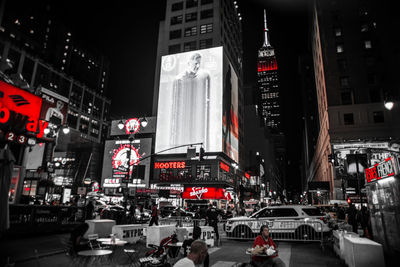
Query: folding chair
x=133, y=257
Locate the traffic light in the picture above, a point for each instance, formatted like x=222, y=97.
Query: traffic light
x=348, y=200
x=201, y=154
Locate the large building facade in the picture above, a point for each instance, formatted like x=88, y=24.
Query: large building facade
x=206, y=33
x=355, y=58
x=31, y=60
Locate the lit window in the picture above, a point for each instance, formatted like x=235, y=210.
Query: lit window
x=190, y=31
x=367, y=44
x=31, y=32
x=66, y=47
x=69, y=34
x=339, y=48
x=17, y=22
x=338, y=31
x=206, y=28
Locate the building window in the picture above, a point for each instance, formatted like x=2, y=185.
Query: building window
x=172, y=49
x=364, y=28
x=378, y=116
x=346, y=97
x=338, y=31
x=375, y=95
x=189, y=46
x=177, y=6
x=206, y=28
x=205, y=43
x=205, y=2
x=205, y=14
x=191, y=16
x=175, y=34
x=176, y=20
x=339, y=48
x=367, y=44
x=371, y=78
x=191, y=3
x=344, y=81
x=342, y=63
x=348, y=119
x=190, y=31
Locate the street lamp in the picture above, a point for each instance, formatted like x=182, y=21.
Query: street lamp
x=389, y=104
x=131, y=129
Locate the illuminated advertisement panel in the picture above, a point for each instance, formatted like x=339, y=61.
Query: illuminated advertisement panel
x=133, y=125
x=205, y=193
x=54, y=107
x=116, y=161
x=230, y=130
x=190, y=101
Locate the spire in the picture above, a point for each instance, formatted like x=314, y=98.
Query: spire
x=266, y=41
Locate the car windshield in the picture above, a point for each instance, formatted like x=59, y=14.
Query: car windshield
x=312, y=212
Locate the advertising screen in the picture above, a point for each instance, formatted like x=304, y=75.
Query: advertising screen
x=230, y=130
x=190, y=101
x=133, y=125
x=116, y=159
x=54, y=107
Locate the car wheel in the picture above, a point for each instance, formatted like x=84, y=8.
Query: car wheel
x=305, y=232
x=242, y=232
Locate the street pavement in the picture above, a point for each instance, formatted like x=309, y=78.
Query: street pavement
x=49, y=250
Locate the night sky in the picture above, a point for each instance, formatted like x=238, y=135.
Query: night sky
x=127, y=35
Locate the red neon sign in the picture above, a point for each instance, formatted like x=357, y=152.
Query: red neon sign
x=13, y=99
x=132, y=126
x=380, y=170
x=205, y=193
x=267, y=66
x=224, y=166
x=170, y=165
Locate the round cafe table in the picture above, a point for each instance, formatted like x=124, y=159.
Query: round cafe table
x=116, y=243
x=94, y=252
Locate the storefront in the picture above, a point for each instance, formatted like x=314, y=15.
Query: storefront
x=214, y=195
x=383, y=192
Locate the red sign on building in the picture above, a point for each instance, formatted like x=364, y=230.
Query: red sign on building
x=224, y=166
x=380, y=170
x=205, y=193
x=170, y=165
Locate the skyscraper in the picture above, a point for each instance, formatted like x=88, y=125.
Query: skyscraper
x=268, y=83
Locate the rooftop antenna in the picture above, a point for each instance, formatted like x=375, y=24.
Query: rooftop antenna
x=266, y=41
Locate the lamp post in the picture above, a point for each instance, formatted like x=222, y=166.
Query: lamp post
x=132, y=129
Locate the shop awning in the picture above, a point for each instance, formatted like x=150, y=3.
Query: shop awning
x=206, y=193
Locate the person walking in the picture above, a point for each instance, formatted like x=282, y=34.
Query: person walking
x=351, y=217
x=154, y=215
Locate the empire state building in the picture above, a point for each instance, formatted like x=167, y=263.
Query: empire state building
x=268, y=84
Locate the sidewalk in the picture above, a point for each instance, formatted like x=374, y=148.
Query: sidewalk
x=50, y=252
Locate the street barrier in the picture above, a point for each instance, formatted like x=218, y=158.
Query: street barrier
x=311, y=230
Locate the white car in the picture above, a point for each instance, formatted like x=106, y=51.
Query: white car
x=291, y=222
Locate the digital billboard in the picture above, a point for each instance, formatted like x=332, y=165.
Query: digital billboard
x=54, y=107
x=195, y=102
x=116, y=161
x=133, y=125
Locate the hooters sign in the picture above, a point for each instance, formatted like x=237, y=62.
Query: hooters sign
x=205, y=193
x=380, y=170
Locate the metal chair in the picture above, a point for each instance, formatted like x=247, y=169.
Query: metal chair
x=133, y=257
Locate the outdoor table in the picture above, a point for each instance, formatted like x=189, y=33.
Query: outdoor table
x=94, y=252
x=116, y=243
x=105, y=239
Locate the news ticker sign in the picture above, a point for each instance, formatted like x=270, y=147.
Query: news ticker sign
x=381, y=170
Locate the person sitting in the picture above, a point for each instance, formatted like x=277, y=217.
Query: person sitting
x=265, y=251
x=188, y=242
x=197, y=255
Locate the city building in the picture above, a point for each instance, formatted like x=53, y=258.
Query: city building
x=33, y=63
x=355, y=56
x=206, y=31
x=269, y=99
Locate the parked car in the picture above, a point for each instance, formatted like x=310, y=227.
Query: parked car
x=113, y=212
x=176, y=212
x=303, y=221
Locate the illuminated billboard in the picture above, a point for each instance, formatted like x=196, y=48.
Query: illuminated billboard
x=116, y=162
x=191, y=103
x=133, y=125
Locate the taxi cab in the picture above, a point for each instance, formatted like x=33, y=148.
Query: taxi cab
x=303, y=222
